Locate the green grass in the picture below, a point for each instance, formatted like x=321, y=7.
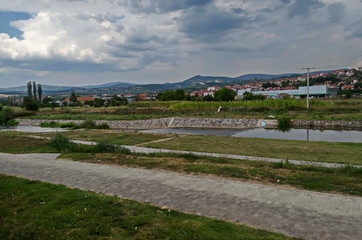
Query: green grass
x=346, y=180
x=34, y=210
x=113, y=136
x=16, y=143
x=326, y=109
x=349, y=153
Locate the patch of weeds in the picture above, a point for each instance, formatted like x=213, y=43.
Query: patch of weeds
x=284, y=123
x=62, y=143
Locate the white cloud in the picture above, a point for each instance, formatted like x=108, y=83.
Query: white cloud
x=158, y=36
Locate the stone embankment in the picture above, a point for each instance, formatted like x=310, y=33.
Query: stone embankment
x=325, y=124
x=161, y=123
x=226, y=123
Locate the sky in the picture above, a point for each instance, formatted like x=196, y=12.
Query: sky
x=87, y=42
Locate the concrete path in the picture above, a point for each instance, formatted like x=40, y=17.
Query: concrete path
x=137, y=149
x=305, y=214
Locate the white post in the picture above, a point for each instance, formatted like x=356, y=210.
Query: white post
x=308, y=68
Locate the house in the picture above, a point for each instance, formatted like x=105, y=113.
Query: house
x=213, y=88
x=348, y=87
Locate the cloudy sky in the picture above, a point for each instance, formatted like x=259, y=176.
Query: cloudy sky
x=81, y=42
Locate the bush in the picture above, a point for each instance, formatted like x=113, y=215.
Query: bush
x=284, y=123
x=30, y=104
x=89, y=124
x=102, y=126
x=12, y=122
x=6, y=115
x=107, y=147
x=53, y=124
x=1, y=107
x=62, y=143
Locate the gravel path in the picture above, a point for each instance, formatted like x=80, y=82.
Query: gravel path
x=305, y=214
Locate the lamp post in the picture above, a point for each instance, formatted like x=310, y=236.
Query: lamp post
x=308, y=68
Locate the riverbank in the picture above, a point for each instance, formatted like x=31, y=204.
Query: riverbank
x=222, y=123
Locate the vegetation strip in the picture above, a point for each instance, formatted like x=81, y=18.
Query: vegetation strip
x=343, y=153
x=340, y=180
x=34, y=210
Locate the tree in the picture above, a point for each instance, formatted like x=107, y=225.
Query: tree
x=40, y=92
x=208, y=98
x=30, y=92
x=170, y=95
x=225, y=95
x=98, y=102
x=30, y=104
x=34, y=91
x=250, y=96
x=73, y=97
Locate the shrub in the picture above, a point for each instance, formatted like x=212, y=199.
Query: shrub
x=107, y=147
x=62, y=143
x=284, y=123
x=102, y=126
x=53, y=124
x=89, y=124
x=1, y=107
x=12, y=122
x=6, y=115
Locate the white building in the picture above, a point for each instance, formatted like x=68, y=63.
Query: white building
x=317, y=91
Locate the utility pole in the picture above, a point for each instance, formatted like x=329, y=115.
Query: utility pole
x=308, y=68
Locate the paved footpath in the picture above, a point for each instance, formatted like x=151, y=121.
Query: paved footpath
x=304, y=214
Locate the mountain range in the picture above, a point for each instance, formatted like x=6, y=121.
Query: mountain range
x=196, y=82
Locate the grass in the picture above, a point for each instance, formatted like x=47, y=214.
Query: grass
x=16, y=143
x=348, y=153
x=113, y=136
x=34, y=210
x=346, y=180
x=327, y=109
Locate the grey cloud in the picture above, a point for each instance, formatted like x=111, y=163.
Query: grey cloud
x=357, y=30
x=285, y=1
x=165, y=5
x=303, y=8
x=336, y=11
x=209, y=23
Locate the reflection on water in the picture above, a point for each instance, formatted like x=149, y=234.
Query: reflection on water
x=33, y=129
x=292, y=134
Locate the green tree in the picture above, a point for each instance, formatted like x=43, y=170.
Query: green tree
x=98, y=102
x=30, y=104
x=40, y=92
x=34, y=92
x=170, y=95
x=73, y=97
x=208, y=98
x=30, y=92
x=225, y=95
x=248, y=96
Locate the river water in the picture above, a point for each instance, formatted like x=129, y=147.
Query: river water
x=292, y=134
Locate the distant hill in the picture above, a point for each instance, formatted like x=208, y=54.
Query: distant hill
x=195, y=82
x=264, y=76
x=111, y=85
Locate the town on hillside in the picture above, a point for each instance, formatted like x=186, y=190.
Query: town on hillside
x=342, y=83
